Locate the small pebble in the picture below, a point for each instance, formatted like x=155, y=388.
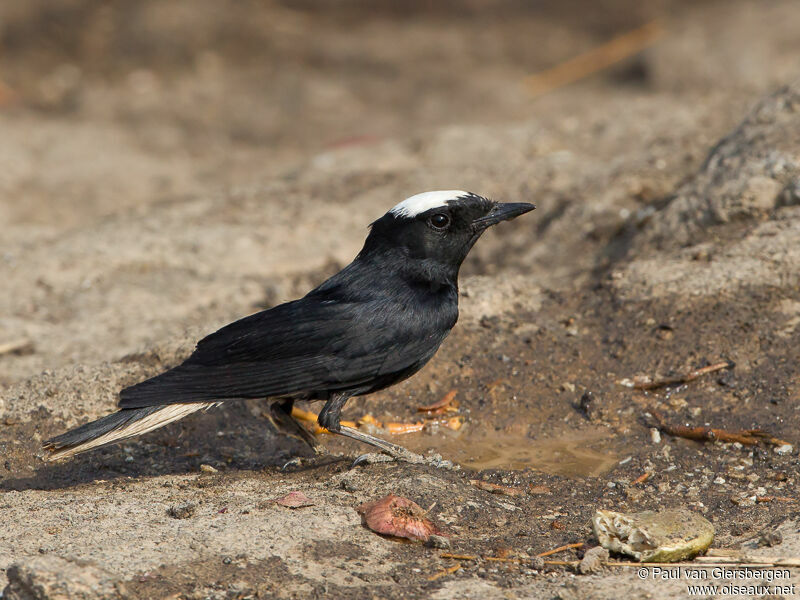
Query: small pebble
x=784, y=449
x=438, y=541
x=182, y=511
x=655, y=435
x=349, y=484
x=770, y=539
x=593, y=560
x=208, y=469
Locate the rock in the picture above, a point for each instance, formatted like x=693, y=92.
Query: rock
x=750, y=172
x=537, y=563
x=770, y=539
x=655, y=435
x=784, y=449
x=593, y=560
x=54, y=578
x=667, y=536
x=182, y=511
x=438, y=541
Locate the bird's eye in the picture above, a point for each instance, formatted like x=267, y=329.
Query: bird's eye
x=439, y=221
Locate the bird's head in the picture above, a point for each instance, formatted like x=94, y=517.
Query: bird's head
x=434, y=231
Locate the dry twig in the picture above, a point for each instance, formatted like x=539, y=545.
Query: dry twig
x=559, y=549
x=439, y=407
x=459, y=556
x=495, y=488
x=596, y=59
x=517, y=560
x=701, y=561
x=775, y=499
x=445, y=572
x=7, y=94
x=646, y=382
x=21, y=345
x=746, y=437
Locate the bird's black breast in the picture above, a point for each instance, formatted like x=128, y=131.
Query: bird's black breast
x=354, y=334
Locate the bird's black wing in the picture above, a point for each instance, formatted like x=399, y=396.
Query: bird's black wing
x=298, y=347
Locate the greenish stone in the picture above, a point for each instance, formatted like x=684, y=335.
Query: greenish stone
x=649, y=536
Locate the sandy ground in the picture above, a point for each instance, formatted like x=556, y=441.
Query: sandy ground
x=167, y=168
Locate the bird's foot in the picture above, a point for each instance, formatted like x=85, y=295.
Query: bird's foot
x=320, y=458
x=393, y=451
x=433, y=460
x=296, y=463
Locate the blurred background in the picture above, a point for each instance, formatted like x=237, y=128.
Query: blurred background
x=107, y=105
x=167, y=167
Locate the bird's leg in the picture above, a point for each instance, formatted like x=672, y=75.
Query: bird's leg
x=329, y=418
x=281, y=417
x=331, y=413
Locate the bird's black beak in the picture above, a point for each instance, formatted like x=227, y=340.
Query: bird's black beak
x=502, y=211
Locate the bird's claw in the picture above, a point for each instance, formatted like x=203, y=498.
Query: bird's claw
x=297, y=461
x=434, y=460
x=371, y=458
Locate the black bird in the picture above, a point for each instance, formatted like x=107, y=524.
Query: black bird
x=373, y=324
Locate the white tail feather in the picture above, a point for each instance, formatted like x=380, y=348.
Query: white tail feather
x=167, y=414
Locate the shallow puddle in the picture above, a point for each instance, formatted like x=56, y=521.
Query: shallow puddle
x=570, y=456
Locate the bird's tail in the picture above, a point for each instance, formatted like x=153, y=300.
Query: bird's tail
x=121, y=425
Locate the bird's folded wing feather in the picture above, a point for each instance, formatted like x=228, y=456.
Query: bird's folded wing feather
x=299, y=346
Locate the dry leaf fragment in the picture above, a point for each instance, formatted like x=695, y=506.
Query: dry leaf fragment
x=454, y=423
x=441, y=406
x=294, y=500
x=495, y=488
x=398, y=428
x=397, y=516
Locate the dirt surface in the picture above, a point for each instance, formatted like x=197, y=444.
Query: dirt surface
x=166, y=168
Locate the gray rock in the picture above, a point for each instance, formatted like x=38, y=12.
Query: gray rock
x=593, y=560
x=54, y=578
x=666, y=536
x=438, y=541
x=751, y=171
x=182, y=511
x=770, y=538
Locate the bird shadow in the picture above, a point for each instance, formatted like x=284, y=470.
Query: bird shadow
x=229, y=438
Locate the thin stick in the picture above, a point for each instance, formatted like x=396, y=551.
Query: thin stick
x=700, y=561
x=642, y=478
x=746, y=437
x=783, y=562
x=519, y=561
x=7, y=94
x=22, y=344
x=559, y=549
x=439, y=406
x=445, y=573
x=495, y=488
x=596, y=59
x=646, y=382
